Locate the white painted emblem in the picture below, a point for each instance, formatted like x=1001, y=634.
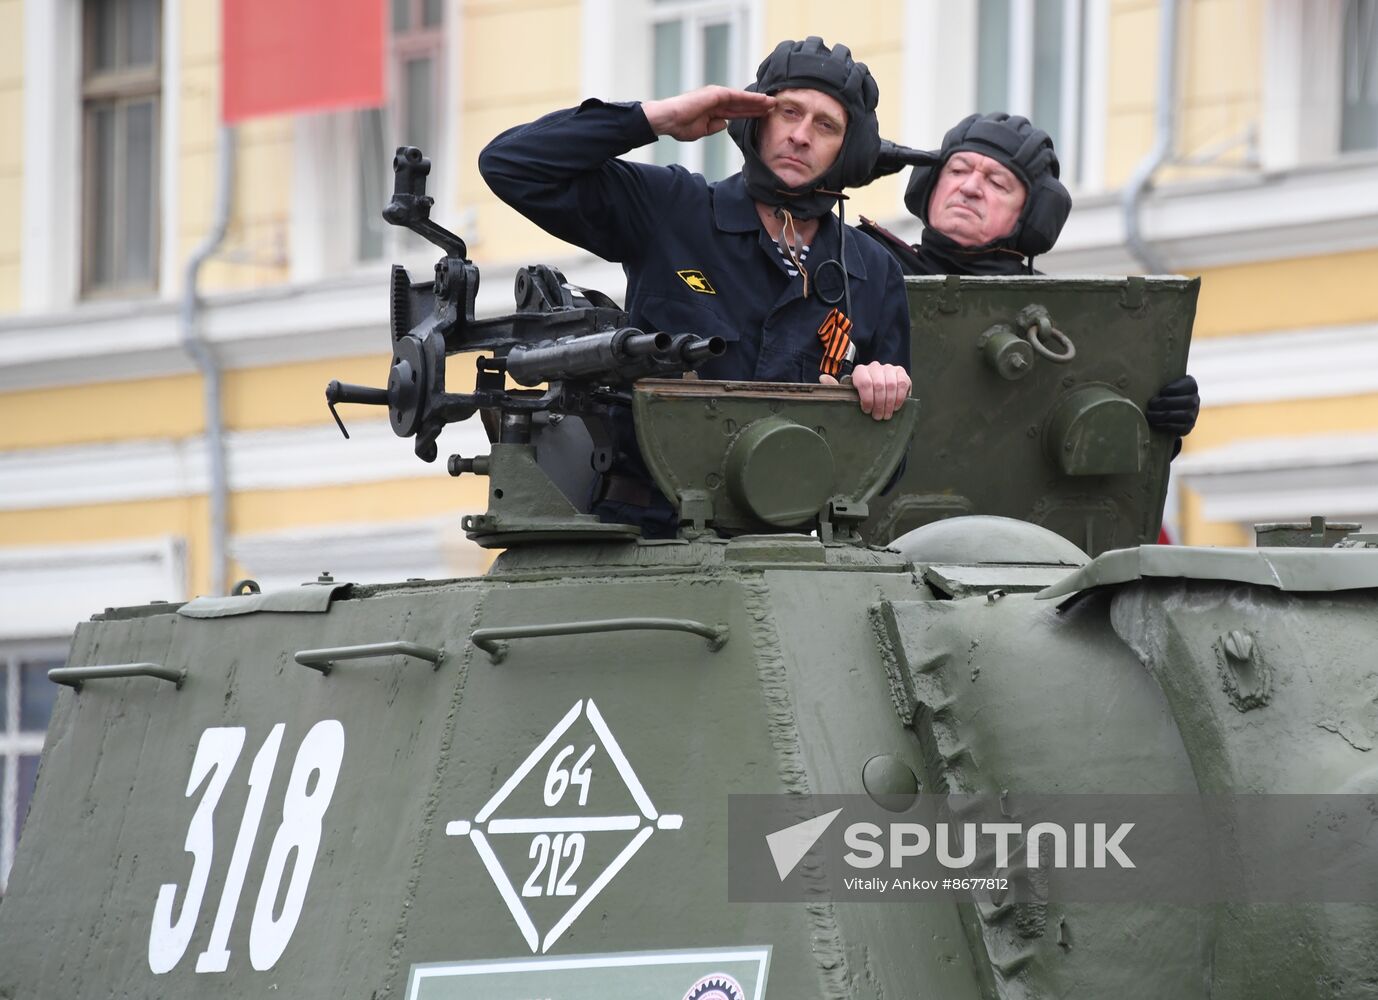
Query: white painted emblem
x=558, y=838
x=718, y=986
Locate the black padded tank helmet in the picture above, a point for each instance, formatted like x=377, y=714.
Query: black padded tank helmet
x=1025, y=150
x=812, y=65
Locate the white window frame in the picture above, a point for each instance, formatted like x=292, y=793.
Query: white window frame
x=324, y=197
x=324, y=214
x=1368, y=67
x=1021, y=93
x=15, y=743
x=395, y=242
x=1302, y=97
x=49, y=589
x=617, y=51
x=50, y=266
x=941, y=63
x=694, y=17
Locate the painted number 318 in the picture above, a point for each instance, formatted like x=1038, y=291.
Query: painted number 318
x=297, y=839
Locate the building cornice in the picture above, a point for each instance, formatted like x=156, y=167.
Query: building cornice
x=279, y=459
x=1286, y=479
x=1325, y=362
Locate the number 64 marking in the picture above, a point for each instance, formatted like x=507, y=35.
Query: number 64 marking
x=298, y=837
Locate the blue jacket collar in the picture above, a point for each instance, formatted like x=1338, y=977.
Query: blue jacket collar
x=734, y=211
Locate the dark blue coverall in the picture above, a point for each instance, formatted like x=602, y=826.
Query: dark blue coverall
x=696, y=256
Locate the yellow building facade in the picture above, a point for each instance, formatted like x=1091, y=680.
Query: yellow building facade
x=1268, y=189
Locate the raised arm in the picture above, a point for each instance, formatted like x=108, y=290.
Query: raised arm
x=562, y=171
x=704, y=112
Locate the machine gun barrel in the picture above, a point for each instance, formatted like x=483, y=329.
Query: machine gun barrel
x=573, y=339
x=693, y=350
x=614, y=355
x=640, y=345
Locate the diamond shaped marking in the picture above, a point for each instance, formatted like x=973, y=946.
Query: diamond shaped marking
x=483, y=825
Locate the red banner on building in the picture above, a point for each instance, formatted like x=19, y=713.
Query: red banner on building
x=283, y=56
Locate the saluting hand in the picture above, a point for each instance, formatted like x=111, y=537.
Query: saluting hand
x=882, y=388
x=704, y=111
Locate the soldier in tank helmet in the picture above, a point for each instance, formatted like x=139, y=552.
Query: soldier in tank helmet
x=757, y=258
x=991, y=201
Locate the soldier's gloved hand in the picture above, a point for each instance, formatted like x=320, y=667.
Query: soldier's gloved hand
x=1175, y=408
x=882, y=388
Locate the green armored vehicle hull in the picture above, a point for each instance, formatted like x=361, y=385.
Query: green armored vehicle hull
x=398, y=827
x=614, y=767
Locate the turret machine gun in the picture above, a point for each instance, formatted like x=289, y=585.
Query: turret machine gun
x=576, y=345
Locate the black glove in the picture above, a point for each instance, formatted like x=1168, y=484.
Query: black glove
x=1175, y=408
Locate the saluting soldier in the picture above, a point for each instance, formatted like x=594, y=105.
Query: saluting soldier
x=757, y=258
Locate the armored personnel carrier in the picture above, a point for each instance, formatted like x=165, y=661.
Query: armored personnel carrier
x=529, y=785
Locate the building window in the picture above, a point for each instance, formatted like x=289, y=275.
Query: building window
x=120, y=90
x=1029, y=59
x=1359, y=80
x=694, y=45
x=416, y=106
x=26, y=703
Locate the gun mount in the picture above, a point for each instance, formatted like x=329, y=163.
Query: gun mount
x=574, y=359
x=576, y=341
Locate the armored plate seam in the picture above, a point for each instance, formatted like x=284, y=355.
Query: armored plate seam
x=714, y=571
x=697, y=572
x=1004, y=934
x=830, y=957
x=885, y=631
x=414, y=588
x=431, y=806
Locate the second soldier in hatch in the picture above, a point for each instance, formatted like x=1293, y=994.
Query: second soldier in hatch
x=991, y=201
x=757, y=259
